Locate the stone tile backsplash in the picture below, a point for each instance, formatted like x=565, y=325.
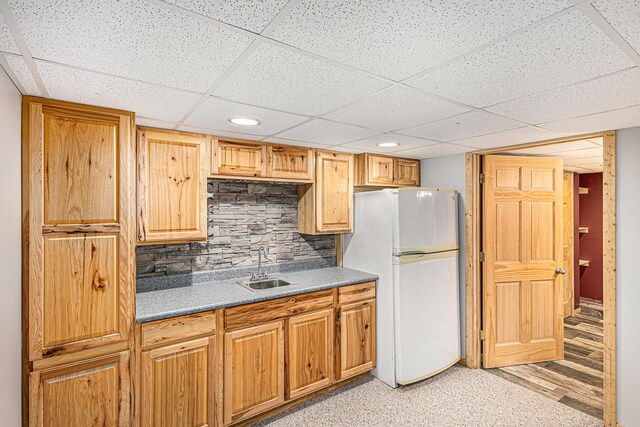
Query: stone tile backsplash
x=242, y=216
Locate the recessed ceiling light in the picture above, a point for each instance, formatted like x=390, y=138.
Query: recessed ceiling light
x=244, y=121
x=388, y=144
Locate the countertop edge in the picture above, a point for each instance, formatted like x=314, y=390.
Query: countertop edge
x=366, y=277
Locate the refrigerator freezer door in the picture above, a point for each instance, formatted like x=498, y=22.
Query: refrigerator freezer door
x=425, y=220
x=427, y=315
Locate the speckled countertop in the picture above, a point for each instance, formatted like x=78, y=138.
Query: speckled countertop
x=165, y=303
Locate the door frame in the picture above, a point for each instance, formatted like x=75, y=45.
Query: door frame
x=473, y=285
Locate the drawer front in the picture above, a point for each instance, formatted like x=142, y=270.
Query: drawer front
x=355, y=293
x=252, y=314
x=177, y=328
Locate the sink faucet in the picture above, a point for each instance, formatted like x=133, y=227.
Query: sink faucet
x=260, y=275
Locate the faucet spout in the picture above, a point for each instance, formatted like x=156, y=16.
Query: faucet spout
x=260, y=275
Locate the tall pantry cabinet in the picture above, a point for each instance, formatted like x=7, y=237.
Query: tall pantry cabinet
x=78, y=263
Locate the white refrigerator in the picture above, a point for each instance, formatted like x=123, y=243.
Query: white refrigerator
x=409, y=238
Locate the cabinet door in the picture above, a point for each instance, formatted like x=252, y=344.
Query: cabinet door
x=407, y=172
x=334, y=192
x=80, y=168
x=238, y=158
x=289, y=162
x=177, y=384
x=380, y=170
x=309, y=352
x=95, y=392
x=253, y=370
x=172, y=186
x=357, y=338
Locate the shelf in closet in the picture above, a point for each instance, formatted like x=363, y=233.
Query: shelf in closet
x=583, y=190
x=583, y=263
x=583, y=230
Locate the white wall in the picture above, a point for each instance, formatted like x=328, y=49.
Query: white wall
x=628, y=275
x=449, y=172
x=10, y=252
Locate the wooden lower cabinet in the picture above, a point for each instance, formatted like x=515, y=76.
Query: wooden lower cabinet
x=253, y=370
x=357, y=338
x=309, y=352
x=177, y=384
x=94, y=392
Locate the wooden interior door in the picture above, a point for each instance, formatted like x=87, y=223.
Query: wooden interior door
x=309, y=352
x=177, y=384
x=522, y=241
x=253, y=370
x=568, y=248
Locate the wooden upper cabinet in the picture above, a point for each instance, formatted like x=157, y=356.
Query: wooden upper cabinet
x=289, y=162
x=238, y=158
x=172, y=186
x=177, y=384
x=309, y=352
x=79, y=170
x=386, y=171
x=326, y=206
x=253, y=370
x=407, y=172
x=95, y=392
x=357, y=338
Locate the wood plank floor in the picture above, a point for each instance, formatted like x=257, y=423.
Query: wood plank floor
x=577, y=380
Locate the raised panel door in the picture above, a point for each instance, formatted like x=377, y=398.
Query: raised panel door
x=253, y=370
x=238, y=158
x=407, y=172
x=95, y=392
x=289, y=162
x=78, y=168
x=334, y=192
x=380, y=170
x=309, y=352
x=177, y=384
x=357, y=338
x=172, y=186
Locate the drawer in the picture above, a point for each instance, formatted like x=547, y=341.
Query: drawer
x=358, y=292
x=259, y=312
x=177, y=328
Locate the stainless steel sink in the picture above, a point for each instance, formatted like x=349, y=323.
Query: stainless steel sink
x=257, y=285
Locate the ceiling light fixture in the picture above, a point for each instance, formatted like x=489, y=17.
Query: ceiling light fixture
x=244, y=121
x=388, y=144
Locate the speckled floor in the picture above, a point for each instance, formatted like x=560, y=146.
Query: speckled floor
x=457, y=397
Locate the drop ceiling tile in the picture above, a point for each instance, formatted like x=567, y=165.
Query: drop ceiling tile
x=624, y=17
x=616, y=119
x=153, y=123
x=285, y=141
x=404, y=143
x=511, y=137
x=564, y=51
x=148, y=100
x=396, y=108
x=397, y=39
x=220, y=133
x=346, y=149
x=322, y=131
x=565, y=147
x=129, y=38
x=7, y=42
x=23, y=74
x=437, y=150
x=463, y=126
x=248, y=14
x=215, y=114
x=611, y=92
x=278, y=78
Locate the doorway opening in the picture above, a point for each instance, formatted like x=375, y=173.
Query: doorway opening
x=541, y=268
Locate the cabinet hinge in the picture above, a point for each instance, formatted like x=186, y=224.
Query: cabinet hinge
x=481, y=335
x=481, y=178
x=482, y=256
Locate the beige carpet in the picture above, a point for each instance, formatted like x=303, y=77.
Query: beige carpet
x=457, y=397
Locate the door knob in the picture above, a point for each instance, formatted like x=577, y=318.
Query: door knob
x=560, y=270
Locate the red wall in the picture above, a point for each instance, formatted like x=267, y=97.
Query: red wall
x=590, y=247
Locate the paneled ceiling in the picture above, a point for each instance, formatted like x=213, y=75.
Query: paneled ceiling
x=436, y=77
x=582, y=156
